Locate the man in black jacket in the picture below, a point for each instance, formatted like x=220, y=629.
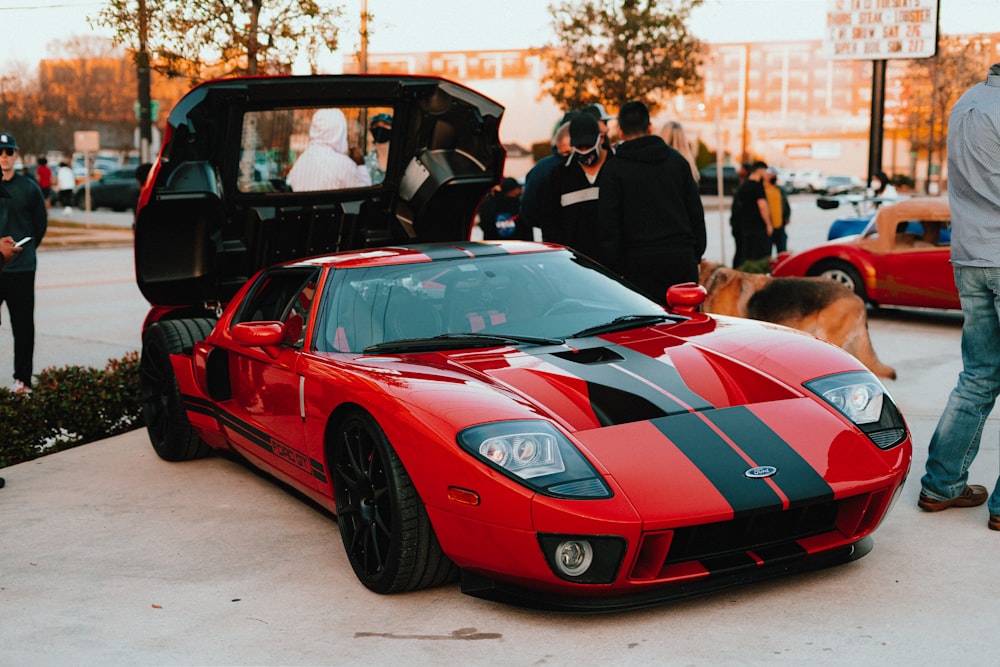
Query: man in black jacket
x=652, y=222
x=569, y=213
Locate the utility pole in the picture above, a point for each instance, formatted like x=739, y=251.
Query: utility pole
x=364, y=37
x=145, y=99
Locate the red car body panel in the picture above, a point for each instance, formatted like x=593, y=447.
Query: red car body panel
x=731, y=390
x=896, y=267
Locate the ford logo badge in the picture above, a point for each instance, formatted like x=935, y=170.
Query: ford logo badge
x=760, y=472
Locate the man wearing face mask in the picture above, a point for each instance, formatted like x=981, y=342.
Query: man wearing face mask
x=569, y=207
x=377, y=158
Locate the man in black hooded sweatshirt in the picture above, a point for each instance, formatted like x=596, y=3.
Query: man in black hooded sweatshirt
x=651, y=221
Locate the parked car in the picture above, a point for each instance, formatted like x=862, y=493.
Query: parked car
x=842, y=185
x=99, y=166
x=902, y=258
x=804, y=180
x=864, y=211
x=118, y=190
x=708, y=181
x=509, y=413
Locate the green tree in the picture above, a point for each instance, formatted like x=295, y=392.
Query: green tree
x=613, y=51
x=195, y=38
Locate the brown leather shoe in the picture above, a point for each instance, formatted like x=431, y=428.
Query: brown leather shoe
x=994, y=522
x=973, y=496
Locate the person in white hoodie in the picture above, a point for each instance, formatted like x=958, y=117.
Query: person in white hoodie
x=325, y=164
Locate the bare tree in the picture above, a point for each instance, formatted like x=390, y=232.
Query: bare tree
x=611, y=52
x=935, y=84
x=224, y=37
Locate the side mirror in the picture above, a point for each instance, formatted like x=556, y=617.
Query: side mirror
x=268, y=335
x=686, y=297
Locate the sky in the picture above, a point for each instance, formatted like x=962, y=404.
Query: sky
x=31, y=27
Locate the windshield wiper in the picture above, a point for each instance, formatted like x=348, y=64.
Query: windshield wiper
x=627, y=322
x=453, y=341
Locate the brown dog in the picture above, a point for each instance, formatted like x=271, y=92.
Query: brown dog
x=818, y=306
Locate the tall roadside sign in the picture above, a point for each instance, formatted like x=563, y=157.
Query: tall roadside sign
x=879, y=30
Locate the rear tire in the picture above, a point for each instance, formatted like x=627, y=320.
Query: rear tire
x=387, y=534
x=169, y=430
x=843, y=273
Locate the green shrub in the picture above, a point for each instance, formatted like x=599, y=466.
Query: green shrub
x=70, y=406
x=24, y=430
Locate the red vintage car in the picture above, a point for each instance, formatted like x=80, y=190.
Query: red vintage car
x=902, y=258
x=510, y=414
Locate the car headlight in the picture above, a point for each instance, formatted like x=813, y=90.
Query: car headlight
x=861, y=398
x=537, y=455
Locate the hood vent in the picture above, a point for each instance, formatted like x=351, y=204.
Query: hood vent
x=594, y=355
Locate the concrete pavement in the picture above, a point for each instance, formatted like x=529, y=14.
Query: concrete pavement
x=110, y=556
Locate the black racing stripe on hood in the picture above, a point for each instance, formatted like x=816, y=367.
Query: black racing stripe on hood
x=797, y=479
x=718, y=462
x=655, y=388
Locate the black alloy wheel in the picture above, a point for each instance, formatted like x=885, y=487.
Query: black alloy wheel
x=387, y=534
x=169, y=430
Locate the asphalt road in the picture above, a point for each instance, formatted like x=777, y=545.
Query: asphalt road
x=110, y=556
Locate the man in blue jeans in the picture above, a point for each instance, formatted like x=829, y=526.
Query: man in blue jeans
x=974, y=197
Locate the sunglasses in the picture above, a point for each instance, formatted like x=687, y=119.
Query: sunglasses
x=7, y=151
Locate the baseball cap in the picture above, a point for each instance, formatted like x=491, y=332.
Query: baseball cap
x=381, y=118
x=509, y=184
x=8, y=141
x=598, y=111
x=583, y=131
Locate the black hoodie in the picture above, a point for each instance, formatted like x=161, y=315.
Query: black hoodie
x=649, y=202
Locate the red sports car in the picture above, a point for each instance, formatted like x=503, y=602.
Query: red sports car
x=515, y=413
x=507, y=413
x=902, y=258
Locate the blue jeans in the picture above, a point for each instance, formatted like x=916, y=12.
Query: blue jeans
x=956, y=439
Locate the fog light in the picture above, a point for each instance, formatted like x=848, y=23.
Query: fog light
x=574, y=557
x=583, y=559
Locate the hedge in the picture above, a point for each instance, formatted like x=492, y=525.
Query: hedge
x=70, y=406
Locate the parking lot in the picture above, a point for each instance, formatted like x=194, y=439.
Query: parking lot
x=110, y=556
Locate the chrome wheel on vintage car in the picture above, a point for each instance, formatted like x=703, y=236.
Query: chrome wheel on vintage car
x=843, y=273
x=385, y=528
x=166, y=421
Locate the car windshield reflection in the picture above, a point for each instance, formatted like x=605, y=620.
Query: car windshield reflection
x=530, y=298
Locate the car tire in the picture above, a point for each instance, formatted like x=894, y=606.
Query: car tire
x=843, y=273
x=387, y=534
x=170, y=432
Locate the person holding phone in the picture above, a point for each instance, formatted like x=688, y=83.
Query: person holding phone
x=8, y=249
x=22, y=214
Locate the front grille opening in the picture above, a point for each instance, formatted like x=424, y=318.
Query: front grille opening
x=751, y=532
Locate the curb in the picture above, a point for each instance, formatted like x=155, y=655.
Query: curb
x=65, y=234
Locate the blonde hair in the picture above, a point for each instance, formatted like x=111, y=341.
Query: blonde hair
x=673, y=134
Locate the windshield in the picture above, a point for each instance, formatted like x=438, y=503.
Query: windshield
x=530, y=298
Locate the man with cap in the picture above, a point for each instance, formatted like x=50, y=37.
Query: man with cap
x=22, y=214
x=499, y=214
x=652, y=223
x=570, y=204
x=601, y=114
x=377, y=158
